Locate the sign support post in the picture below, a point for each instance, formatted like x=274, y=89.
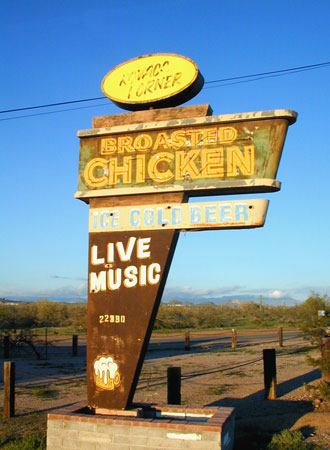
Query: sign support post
x=127, y=276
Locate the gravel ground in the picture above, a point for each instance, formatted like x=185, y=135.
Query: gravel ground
x=210, y=376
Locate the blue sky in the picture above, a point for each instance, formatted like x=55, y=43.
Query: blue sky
x=55, y=51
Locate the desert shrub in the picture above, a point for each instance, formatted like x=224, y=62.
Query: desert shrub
x=36, y=441
x=45, y=313
x=314, y=329
x=312, y=325
x=289, y=440
x=18, y=339
x=320, y=393
x=44, y=392
x=42, y=313
x=210, y=315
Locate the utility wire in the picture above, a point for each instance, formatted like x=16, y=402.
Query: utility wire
x=311, y=66
x=258, y=78
x=55, y=112
x=52, y=104
x=232, y=80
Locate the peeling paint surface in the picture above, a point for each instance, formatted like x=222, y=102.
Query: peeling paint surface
x=183, y=217
x=185, y=436
x=226, y=154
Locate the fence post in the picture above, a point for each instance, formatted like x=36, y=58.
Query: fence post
x=74, y=345
x=6, y=347
x=269, y=357
x=187, y=340
x=280, y=336
x=174, y=385
x=233, y=338
x=325, y=353
x=9, y=389
x=46, y=343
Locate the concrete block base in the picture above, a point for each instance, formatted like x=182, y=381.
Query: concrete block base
x=145, y=426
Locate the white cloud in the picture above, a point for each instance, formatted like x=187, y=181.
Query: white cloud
x=276, y=294
x=188, y=293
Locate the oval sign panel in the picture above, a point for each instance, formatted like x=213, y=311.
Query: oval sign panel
x=153, y=81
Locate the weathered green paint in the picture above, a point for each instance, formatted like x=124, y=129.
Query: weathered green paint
x=262, y=133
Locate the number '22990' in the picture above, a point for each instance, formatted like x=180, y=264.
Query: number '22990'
x=112, y=318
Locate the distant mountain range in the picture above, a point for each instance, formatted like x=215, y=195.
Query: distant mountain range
x=237, y=300
x=51, y=298
x=230, y=300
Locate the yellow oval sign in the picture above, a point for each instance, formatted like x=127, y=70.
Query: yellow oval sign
x=157, y=81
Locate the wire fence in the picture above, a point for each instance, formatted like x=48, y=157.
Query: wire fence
x=52, y=345
x=30, y=379
x=55, y=348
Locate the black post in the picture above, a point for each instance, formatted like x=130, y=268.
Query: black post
x=46, y=343
x=187, y=340
x=325, y=353
x=269, y=357
x=174, y=385
x=74, y=345
x=233, y=338
x=6, y=347
x=280, y=336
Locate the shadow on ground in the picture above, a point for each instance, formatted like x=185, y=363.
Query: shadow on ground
x=258, y=419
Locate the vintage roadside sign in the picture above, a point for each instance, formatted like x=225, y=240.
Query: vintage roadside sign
x=158, y=81
x=201, y=156
x=183, y=217
x=137, y=171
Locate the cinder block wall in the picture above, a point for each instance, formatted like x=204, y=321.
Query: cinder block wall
x=165, y=428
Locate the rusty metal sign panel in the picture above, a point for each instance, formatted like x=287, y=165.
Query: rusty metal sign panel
x=127, y=274
x=202, y=156
x=158, y=81
x=183, y=217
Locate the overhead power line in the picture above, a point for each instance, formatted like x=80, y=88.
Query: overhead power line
x=52, y=104
x=282, y=71
x=54, y=112
x=257, y=78
x=231, y=80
